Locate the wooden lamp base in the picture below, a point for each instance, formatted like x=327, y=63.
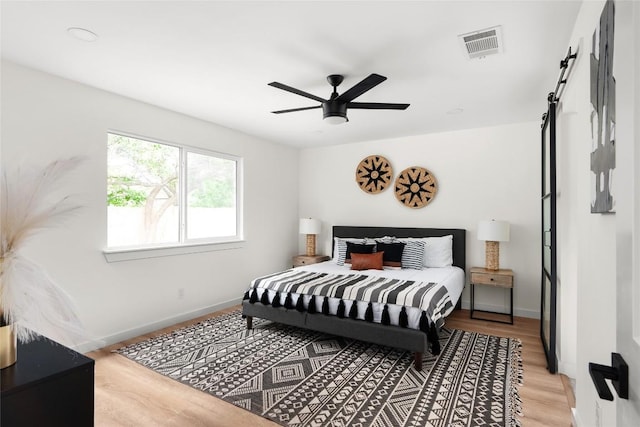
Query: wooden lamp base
x=311, y=244
x=492, y=255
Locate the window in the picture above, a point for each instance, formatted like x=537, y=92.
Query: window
x=161, y=195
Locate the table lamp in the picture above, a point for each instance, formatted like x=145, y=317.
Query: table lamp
x=493, y=232
x=310, y=227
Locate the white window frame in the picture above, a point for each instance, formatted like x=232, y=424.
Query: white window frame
x=184, y=245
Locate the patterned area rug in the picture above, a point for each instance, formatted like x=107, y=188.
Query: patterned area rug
x=296, y=377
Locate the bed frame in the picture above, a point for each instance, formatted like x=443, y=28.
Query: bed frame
x=389, y=335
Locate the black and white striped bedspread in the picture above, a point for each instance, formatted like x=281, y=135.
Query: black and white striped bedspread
x=431, y=298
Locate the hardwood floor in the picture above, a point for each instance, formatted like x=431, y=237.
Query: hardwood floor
x=127, y=394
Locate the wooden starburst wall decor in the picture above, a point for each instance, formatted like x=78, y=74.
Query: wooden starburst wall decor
x=415, y=187
x=373, y=174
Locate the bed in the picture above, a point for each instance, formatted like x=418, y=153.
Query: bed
x=398, y=307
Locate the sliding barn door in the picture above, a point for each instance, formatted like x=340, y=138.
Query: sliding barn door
x=548, y=236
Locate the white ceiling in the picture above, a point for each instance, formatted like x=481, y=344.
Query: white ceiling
x=213, y=59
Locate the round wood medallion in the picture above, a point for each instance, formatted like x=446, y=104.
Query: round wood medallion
x=374, y=174
x=415, y=187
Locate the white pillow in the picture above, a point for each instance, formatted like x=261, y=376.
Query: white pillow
x=438, y=251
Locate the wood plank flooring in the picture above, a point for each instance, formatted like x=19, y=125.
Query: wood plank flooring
x=127, y=394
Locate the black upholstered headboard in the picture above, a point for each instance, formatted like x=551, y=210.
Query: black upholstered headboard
x=459, y=236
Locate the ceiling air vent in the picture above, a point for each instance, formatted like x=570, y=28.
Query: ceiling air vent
x=479, y=44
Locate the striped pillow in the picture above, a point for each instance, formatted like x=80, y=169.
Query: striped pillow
x=413, y=254
x=340, y=247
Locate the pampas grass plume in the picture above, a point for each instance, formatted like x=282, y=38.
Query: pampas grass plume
x=29, y=298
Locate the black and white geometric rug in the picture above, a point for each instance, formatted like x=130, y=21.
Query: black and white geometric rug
x=296, y=377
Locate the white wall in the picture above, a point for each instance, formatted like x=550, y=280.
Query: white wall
x=587, y=242
x=45, y=118
x=481, y=174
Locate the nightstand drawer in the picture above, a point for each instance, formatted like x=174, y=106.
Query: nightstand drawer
x=492, y=279
x=301, y=260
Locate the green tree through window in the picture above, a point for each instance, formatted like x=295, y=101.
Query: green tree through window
x=144, y=193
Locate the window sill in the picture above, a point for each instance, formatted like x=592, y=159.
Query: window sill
x=129, y=254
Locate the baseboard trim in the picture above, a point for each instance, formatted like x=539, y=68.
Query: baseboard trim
x=567, y=368
x=98, y=343
x=574, y=418
x=569, y=390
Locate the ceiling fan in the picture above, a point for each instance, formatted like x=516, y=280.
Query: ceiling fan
x=334, y=109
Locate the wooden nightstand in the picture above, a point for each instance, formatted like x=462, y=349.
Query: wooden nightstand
x=300, y=260
x=502, y=278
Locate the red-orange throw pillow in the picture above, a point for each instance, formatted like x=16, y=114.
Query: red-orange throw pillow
x=367, y=261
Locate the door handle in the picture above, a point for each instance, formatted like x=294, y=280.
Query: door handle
x=618, y=373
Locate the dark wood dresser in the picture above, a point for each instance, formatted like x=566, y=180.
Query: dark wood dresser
x=49, y=385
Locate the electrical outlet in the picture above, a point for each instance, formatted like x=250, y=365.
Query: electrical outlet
x=181, y=293
x=598, y=415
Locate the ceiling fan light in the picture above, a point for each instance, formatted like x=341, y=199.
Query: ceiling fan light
x=334, y=113
x=335, y=120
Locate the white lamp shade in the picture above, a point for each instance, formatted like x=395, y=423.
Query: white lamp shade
x=493, y=231
x=310, y=226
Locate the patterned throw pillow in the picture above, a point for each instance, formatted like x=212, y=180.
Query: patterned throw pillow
x=413, y=254
x=387, y=239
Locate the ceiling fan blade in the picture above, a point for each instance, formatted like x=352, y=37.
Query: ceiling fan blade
x=360, y=88
x=377, y=106
x=296, y=109
x=296, y=91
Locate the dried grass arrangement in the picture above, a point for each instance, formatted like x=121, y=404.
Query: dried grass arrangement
x=30, y=300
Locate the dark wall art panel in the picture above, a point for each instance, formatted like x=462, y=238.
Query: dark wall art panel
x=603, y=113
